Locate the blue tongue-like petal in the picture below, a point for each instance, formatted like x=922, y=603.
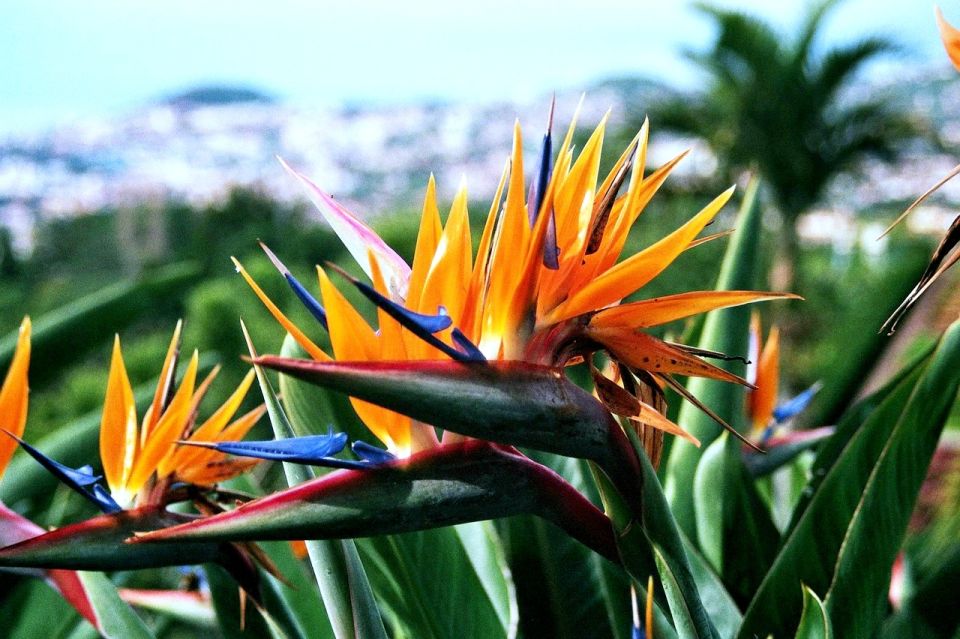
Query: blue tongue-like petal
x=370, y=453
x=796, y=405
x=315, y=450
x=315, y=308
x=423, y=326
x=81, y=480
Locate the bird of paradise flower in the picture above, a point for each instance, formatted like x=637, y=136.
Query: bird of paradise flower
x=545, y=286
x=142, y=464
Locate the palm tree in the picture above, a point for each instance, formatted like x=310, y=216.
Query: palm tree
x=777, y=105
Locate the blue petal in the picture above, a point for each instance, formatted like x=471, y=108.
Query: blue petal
x=76, y=478
x=467, y=347
x=101, y=497
x=81, y=480
x=420, y=325
x=371, y=454
x=302, y=293
x=539, y=187
x=303, y=450
x=795, y=406
x=308, y=300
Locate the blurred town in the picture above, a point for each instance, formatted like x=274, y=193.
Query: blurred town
x=196, y=146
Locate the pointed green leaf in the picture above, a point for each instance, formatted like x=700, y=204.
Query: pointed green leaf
x=901, y=384
x=29, y=609
x=336, y=564
x=116, y=619
x=661, y=532
x=814, y=622
x=98, y=544
x=845, y=541
x=721, y=607
x=511, y=402
x=730, y=517
x=562, y=586
x=725, y=331
x=236, y=620
x=445, y=583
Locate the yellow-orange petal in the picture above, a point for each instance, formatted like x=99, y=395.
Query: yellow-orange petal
x=119, y=439
x=762, y=401
x=645, y=352
x=209, y=430
x=449, y=277
x=168, y=430
x=164, y=384
x=661, y=310
x=215, y=471
x=637, y=270
x=950, y=38
x=428, y=237
x=305, y=342
x=15, y=395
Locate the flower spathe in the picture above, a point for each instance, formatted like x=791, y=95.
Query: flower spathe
x=544, y=286
x=137, y=457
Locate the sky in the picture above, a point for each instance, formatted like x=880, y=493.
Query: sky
x=62, y=59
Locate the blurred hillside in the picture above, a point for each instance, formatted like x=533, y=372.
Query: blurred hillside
x=196, y=146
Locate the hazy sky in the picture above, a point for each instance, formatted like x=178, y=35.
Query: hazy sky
x=60, y=59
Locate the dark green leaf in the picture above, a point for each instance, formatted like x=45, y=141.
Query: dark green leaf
x=814, y=623
x=445, y=583
x=725, y=331
x=336, y=564
x=845, y=541
x=731, y=517
x=117, y=619
x=65, y=335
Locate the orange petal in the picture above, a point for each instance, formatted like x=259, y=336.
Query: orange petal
x=622, y=403
x=392, y=336
x=170, y=427
x=119, y=440
x=639, y=193
x=472, y=316
x=305, y=342
x=14, y=395
x=951, y=39
x=573, y=199
x=451, y=268
x=164, y=383
x=661, y=310
x=216, y=471
x=354, y=340
x=210, y=429
x=637, y=270
x=645, y=352
x=763, y=400
x=427, y=239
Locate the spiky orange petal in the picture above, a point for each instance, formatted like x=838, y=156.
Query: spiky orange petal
x=305, y=342
x=951, y=39
x=167, y=431
x=637, y=270
x=14, y=395
x=661, y=310
x=645, y=352
x=119, y=438
x=763, y=400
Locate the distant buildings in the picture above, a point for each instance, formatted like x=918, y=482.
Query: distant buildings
x=197, y=146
